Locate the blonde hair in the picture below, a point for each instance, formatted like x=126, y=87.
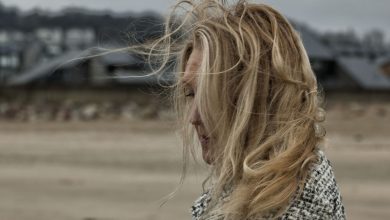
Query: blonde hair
x=257, y=94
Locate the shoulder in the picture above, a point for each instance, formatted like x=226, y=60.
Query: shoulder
x=200, y=205
x=320, y=198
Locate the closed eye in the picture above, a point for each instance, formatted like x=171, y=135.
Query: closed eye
x=189, y=93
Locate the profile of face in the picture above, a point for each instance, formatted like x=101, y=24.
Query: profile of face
x=190, y=83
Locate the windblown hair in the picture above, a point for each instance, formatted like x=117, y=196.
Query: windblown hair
x=257, y=95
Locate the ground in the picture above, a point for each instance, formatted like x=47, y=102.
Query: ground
x=114, y=170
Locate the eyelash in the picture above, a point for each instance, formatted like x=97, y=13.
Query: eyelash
x=189, y=93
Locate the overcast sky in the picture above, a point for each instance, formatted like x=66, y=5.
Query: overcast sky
x=322, y=15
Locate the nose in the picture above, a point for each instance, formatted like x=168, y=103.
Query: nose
x=195, y=116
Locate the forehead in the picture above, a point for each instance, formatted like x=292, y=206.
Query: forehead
x=192, y=65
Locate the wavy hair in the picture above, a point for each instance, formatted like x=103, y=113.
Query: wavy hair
x=257, y=95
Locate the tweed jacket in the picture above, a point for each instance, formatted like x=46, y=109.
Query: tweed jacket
x=320, y=199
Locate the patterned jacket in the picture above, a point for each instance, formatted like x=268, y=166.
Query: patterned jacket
x=320, y=199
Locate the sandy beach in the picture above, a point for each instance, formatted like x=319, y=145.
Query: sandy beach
x=116, y=170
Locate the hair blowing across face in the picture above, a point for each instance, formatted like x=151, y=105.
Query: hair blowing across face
x=257, y=96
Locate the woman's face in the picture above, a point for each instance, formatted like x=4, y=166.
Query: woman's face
x=190, y=84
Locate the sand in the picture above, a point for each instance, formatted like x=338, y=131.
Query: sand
x=121, y=170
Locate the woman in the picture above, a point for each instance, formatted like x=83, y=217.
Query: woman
x=247, y=93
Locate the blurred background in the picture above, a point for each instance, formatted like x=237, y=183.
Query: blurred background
x=77, y=143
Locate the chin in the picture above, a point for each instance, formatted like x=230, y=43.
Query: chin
x=206, y=154
x=206, y=157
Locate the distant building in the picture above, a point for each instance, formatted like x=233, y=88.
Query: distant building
x=342, y=62
x=75, y=68
x=77, y=38
x=52, y=39
x=11, y=36
x=12, y=44
x=54, y=56
x=363, y=74
x=384, y=65
x=10, y=60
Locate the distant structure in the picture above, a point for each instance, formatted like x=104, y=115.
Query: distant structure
x=343, y=62
x=51, y=50
x=40, y=47
x=81, y=68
